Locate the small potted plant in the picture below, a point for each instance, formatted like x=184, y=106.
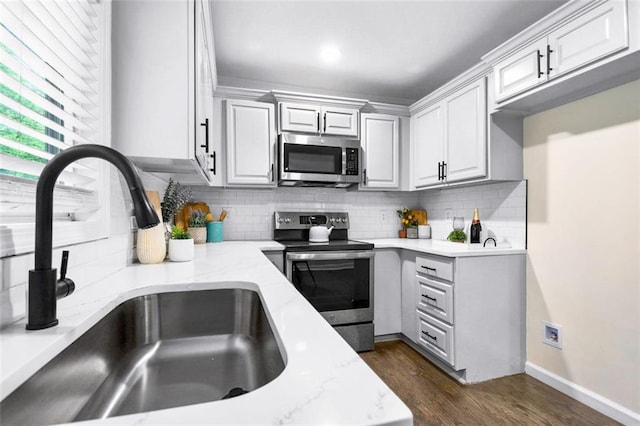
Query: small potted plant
x=180, y=245
x=457, y=236
x=409, y=223
x=175, y=196
x=198, y=226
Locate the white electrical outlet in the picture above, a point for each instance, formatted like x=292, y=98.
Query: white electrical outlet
x=552, y=334
x=447, y=214
x=133, y=225
x=383, y=216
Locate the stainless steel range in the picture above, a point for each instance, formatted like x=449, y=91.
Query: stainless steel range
x=336, y=277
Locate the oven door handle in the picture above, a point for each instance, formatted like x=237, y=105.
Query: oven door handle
x=331, y=255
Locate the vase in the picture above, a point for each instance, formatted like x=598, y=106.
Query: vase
x=151, y=246
x=181, y=250
x=402, y=233
x=412, y=232
x=199, y=234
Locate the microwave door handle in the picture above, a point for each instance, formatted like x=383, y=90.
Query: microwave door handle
x=344, y=162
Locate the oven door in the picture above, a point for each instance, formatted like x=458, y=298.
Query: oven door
x=339, y=284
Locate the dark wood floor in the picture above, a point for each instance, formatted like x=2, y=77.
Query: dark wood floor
x=436, y=398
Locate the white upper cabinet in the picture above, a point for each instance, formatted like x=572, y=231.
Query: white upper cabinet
x=309, y=118
x=521, y=71
x=299, y=118
x=427, y=141
x=595, y=34
x=163, y=79
x=449, y=138
x=339, y=121
x=380, y=143
x=585, y=38
x=465, y=134
x=251, y=142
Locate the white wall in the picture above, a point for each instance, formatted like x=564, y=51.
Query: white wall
x=582, y=161
x=501, y=206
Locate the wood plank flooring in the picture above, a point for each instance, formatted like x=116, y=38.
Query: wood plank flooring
x=437, y=399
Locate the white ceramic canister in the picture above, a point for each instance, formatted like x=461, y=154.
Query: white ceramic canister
x=424, y=231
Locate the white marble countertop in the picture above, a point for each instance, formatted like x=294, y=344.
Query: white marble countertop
x=324, y=381
x=444, y=248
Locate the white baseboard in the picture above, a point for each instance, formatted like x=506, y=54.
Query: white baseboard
x=587, y=397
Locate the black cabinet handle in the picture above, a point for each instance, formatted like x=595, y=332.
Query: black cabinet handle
x=426, y=296
x=273, y=176
x=364, y=177
x=549, y=52
x=428, y=268
x=213, y=169
x=318, y=120
x=324, y=122
x=206, y=134
x=426, y=333
x=540, y=73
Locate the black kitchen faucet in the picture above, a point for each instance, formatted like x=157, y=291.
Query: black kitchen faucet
x=44, y=288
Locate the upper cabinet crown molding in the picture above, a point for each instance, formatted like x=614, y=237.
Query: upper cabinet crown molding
x=306, y=98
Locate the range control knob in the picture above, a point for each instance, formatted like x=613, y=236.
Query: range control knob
x=287, y=220
x=344, y=220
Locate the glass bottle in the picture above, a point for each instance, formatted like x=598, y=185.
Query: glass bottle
x=476, y=228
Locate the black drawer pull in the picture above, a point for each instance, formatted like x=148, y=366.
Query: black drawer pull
x=427, y=268
x=426, y=333
x=430, y=298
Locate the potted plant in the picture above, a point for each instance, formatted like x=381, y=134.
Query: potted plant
x=457, y=236
x=175, y=196
x=180, y=245
x=198, y=226
x=409, y=223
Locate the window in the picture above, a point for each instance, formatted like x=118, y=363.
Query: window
x=54, y=93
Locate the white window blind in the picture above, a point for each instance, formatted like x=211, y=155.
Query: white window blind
x=51, y=85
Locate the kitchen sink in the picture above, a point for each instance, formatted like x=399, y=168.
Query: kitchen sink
x=154, y=352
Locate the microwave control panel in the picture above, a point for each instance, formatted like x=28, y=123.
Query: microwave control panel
x=352, y=161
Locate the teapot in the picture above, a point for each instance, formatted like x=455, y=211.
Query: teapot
x=319, y=234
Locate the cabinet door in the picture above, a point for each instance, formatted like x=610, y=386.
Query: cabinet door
x=380, y=143
x=427, y=136
x=299, y=118
x=387, y=292
x=521, y=71
x=250, y=143
x=595, y=34
x=339, y=121
x=204, y=87
x=466, y=118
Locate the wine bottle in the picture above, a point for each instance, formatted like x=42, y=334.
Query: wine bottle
x=475, y=227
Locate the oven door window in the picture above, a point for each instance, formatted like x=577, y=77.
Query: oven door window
x=312, y=159
x=333, y=285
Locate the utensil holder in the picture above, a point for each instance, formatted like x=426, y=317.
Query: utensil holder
x=215, y=232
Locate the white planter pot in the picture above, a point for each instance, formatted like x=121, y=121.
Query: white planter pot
x=181, y=250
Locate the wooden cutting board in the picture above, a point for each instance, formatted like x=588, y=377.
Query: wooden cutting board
x=421, y=216
x=154, y=199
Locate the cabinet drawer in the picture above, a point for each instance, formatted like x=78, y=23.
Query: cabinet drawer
x=436, y=336
x=439, y=267
x=435, y=298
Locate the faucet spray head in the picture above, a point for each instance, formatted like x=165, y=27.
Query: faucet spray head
x=146, y=216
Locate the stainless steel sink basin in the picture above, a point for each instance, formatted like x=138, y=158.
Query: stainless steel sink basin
x=153, y=352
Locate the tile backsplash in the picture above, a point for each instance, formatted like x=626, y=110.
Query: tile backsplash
x=373, y=215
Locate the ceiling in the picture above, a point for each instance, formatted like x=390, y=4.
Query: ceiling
x=392, y=51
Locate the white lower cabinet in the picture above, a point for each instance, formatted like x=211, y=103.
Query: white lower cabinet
x=387, y=292
x=468, y=313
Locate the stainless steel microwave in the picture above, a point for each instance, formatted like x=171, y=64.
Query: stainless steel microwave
x=318, y=161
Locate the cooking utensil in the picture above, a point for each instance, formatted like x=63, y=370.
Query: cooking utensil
x=223, y=215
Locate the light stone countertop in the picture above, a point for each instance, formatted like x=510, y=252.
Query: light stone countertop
x=324, y=381
x=443, y=248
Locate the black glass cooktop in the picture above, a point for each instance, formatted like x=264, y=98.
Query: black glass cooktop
x=334, y=245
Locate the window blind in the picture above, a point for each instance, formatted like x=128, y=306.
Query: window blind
x=50, y=70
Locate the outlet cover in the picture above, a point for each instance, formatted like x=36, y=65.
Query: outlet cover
x=552, y=334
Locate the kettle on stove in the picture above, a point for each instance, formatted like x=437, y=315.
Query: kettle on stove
x=319, y=233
